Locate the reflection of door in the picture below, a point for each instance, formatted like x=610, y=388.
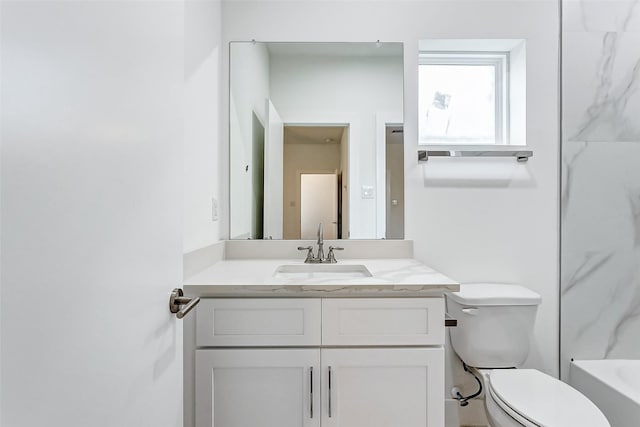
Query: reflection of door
x=257, y=179
x=318, y=204
x=273, y=173
x=340, y=209
x=394, y=194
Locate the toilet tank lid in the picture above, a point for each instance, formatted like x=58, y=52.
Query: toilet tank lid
x=481, y=294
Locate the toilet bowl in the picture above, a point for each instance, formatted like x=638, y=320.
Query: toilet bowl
x=530, y=398
x=495, y=325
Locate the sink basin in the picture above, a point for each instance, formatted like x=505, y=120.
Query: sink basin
x=321, y=271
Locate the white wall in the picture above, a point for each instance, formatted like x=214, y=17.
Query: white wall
x=91, y=212
x=469, y=231
x=308, y=89
x=204, y=156
x=249, y=92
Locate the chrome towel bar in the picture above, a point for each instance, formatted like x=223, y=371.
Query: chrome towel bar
x=178, y=299
x=520, y=155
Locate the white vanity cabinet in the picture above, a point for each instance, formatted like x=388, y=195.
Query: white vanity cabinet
x=329, y=362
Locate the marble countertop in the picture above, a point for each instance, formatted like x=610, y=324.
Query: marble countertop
x=258, y=278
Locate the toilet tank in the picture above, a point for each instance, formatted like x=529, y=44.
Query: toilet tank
x=495, y=323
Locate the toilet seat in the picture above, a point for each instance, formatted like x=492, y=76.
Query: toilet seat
x=506, y=409
x=535, y=399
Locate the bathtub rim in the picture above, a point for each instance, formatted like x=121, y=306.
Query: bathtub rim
x=603, y=371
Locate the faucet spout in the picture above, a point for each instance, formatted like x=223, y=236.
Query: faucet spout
x=320, y=256
x=320, y=234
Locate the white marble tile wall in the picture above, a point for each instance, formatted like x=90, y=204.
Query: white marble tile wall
x=600, y=283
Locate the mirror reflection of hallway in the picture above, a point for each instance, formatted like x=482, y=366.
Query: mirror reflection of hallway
x=315, y=181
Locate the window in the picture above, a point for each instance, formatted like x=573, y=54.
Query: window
x=463, y=98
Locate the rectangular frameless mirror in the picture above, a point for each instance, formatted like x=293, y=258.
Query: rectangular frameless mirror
x=316, y=136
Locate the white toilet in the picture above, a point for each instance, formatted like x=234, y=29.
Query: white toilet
x=495, y=324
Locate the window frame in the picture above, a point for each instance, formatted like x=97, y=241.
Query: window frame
x=500, y=61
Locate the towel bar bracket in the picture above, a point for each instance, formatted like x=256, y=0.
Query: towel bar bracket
x=181, y=305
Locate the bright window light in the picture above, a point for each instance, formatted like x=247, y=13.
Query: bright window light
x=462, y=98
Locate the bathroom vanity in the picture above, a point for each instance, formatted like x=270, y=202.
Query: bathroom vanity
x=278, y=342
x=275, y=341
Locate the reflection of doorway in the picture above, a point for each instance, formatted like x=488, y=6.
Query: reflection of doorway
x=318, y=204
x=257, y=179
x=394, y=182
x=315, y=150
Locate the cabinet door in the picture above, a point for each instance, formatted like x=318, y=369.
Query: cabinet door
x=402, y=387
x=258, y=388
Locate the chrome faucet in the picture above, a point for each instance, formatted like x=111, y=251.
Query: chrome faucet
x=320, y=259
x=320, y=256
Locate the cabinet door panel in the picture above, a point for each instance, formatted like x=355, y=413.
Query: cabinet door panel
x=401, y=387
x=261, y=388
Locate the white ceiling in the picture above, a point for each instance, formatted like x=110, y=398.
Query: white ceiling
x=313, y=134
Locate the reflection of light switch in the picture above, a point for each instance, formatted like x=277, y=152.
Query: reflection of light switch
x=367, y=192
x=394, y=202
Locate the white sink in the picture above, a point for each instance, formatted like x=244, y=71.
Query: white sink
x=321, y=271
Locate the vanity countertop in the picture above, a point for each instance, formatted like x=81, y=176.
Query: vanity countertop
x=258, y=278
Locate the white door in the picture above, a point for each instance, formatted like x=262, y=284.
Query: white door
x=398, y=387
x=91, y=213
x=273, y=173
x=258, y=388
x=318, y=204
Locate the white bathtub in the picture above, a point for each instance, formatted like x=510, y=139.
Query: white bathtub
x=613, y=385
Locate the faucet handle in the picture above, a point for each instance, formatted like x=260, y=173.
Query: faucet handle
x=309, y=250
x=331, y=258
